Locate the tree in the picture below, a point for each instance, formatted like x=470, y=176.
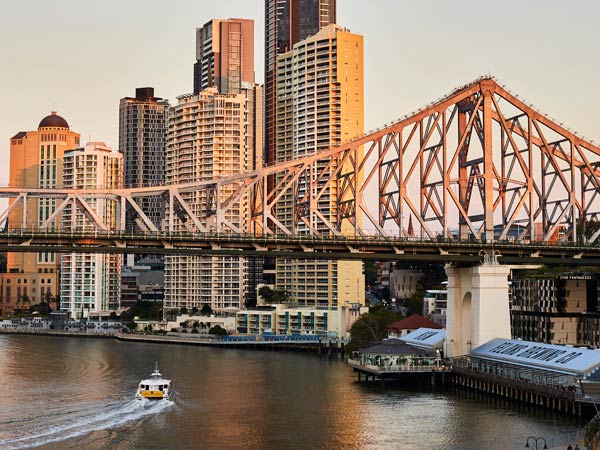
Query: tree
x=371, y=327
x=183, y=310
x=266, y=293
x=25, y=301
x=370, y=269
x=48, y=298
x=414, y=303
x=195, y=311
x=145, y=310
x=41, y=308
x=273, y=295
x=280, y=296
x=218, y=330
x=57, y=302
x=206, y=310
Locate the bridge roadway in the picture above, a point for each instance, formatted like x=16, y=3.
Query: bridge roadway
x=298, y=246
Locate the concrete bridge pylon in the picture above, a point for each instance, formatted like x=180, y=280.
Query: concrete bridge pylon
x=478, y=305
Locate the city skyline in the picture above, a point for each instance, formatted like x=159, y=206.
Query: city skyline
x=519, y=51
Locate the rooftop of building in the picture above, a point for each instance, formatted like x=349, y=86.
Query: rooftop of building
x=396, y=347
x=564, y=359
x=20, y=135
x=145, y=94
x=53, y=121
x=412, y=323
x=426, y=338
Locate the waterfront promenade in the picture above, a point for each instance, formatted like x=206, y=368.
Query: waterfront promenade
x=315, y=344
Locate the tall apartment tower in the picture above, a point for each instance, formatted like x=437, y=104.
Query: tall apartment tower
x=225, y=61
x=319, y=91
x=36, y=161
x=206, y=140
x=142, y=138
x=224, y=55
x=286, y=23
x=91, y=283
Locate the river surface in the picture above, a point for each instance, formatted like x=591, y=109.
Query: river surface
x=73, y=393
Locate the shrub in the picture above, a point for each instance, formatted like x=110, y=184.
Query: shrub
x=218, y=330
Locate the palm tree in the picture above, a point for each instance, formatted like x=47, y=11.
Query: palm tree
x=48, y=298
x=25, y=301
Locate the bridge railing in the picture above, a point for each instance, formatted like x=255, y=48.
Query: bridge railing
x=252, y=237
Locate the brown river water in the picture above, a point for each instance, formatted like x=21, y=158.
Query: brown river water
x=73, y=393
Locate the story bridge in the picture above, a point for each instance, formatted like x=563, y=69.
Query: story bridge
x=478, y=176
x=478, y=165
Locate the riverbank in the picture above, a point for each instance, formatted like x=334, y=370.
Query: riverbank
x=331, y=348
x=58, y=333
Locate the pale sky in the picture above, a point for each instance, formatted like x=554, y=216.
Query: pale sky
x=80, y=57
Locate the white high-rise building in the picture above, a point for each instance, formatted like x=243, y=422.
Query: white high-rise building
x=319, y=105
x=91, y=283
x=206, y=139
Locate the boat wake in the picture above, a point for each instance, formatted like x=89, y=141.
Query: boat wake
x=79, y=423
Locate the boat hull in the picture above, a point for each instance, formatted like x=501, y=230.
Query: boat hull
x=153, y=395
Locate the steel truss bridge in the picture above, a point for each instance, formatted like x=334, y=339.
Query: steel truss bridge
x=477, y=171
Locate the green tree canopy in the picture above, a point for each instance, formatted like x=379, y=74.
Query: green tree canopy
x=266, y=293
x=371, y=327
x=41, y=308
x=218, y=330
x=145, y=310
x=273, y=295
x=206, y=310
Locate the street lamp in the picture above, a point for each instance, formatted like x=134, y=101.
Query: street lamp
x=536, y=441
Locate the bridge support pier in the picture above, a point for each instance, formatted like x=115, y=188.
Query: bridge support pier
x=478, y=309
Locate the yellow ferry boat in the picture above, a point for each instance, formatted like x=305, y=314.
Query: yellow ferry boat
x=155, y=387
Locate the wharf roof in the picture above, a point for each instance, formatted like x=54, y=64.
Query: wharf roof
x=557, y=358
x=412, y=323
x=396, y=347
x=426, y=338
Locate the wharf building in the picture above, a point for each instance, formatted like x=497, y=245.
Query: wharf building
x=36, y=161
x=556, y=309
x=206, y=140
x=319, y=105
x=90, y=283
x=142, y=140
